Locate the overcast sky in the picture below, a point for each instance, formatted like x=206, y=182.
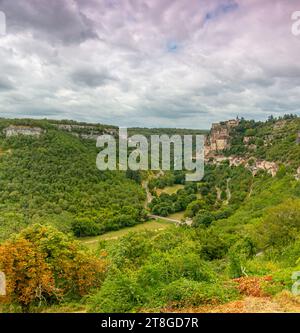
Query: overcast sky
x=154, y=63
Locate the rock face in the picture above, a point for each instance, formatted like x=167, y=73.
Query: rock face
x=86, y=131
x=251, y=164
x=254, y=165
x=219, y=136
x=70, y=128
x=247, y=139
x=270, y=167
x=279, y=124
x=23, y=130
x=219, y=139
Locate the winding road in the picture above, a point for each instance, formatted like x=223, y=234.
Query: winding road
x=149, y=198
x=156, y=217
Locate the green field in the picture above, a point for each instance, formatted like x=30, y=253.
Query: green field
x=92, y=242
x=177, y=216
x=170, y=189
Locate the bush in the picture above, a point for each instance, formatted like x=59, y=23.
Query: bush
x=85, y=227
x=172, y=266
x=42, y=265
x=239, y=253
x=281, y=224
x=213, y=246
x=203, y=218
x=188, y=293
x=118, y=294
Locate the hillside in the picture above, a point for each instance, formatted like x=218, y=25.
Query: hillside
x=239, y=250
x=243, y=247
x=52, y=178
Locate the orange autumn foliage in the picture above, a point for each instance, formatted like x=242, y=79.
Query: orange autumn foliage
x=252, y=285
x=29, y=277
x=42, y=264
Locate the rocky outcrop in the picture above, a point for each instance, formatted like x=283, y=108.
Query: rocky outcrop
x=219, y=139
x=236, y=161
x=90, y=136
x=252, y=164
x=249, y=142
x=247, y=139
x=87, y=132
x=279, y=124
x=255, y=165
x=13, y=130
x=270, y=167
x=219, y=136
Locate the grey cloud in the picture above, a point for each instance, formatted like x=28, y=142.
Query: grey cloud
x=92, y=78
x=35, y=112
x=108, y=61
x=5, y=85
x=58, y=20
x=278, y=107
x=175, y=112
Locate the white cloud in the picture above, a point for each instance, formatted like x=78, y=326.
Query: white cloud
x=182, y=63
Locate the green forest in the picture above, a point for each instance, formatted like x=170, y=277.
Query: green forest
x=54, y=180
x=242, y=242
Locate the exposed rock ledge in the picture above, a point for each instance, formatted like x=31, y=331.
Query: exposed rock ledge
x=252, y=164
x=87, y=132
x=13, y=130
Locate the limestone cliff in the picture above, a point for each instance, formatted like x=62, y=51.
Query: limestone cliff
x=219, y=136
x=86, y=131
x=23, y=130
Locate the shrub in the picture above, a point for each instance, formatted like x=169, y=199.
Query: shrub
x=187, y=293
x=281, y=224
x=119, y=293
x=85, y=227
x=203, y=218
x=44, y=265
x=213, y=246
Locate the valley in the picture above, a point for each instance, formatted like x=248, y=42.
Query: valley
x=139, y=241
x=158, y=225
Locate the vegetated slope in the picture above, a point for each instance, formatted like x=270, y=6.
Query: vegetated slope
x=244, y=242
x=242, y=248
x=185, y=268
x=226, y=186
x=54, y=179
x=273, y=140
